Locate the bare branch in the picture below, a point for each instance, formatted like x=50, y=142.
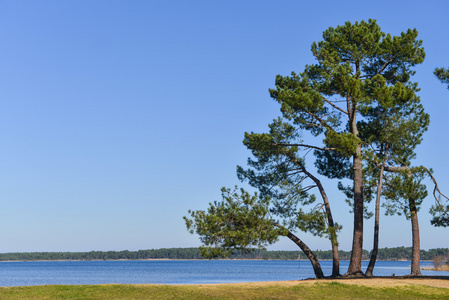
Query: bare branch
x=307, y=188
x=306, y=146
x=319, y=120
x=335, y=106
x=319, y=207
x=396, y=169
x=436, y=189
x=385, y=65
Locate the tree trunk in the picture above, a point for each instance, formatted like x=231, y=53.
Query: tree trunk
x=373, y=258
x=416, y=255
x=335, y=255
x=355, y=264
x=310, y=255
x=330, y=221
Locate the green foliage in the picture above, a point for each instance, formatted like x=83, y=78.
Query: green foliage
x=402, y=186
x=440, y=215
x=392, y=127
x=279, y=172
x=369, y=72
x=333, y=164
x=276, y=170
x=345, y=143
x=239, y=222
x=443, y=75
x=395, y=129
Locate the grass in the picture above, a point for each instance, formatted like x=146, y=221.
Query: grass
x=267, y=290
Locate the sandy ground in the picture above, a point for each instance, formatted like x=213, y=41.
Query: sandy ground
x=390, y=282
x=434, y=281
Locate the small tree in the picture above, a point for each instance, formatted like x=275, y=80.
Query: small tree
x=405, y=184
x=394, y=127
x=438, y=262
x=440, y=211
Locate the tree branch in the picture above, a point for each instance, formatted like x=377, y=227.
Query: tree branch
x=385, y=65
x=335, y=106
x=436, y=189
x=320, y=120
x=306, y=146
x=396, y=169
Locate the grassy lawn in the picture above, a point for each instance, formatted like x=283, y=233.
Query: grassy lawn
x=267, y=290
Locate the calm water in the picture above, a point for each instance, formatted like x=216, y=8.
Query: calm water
x=176, y=271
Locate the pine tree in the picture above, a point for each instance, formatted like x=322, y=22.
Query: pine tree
x=357, y=64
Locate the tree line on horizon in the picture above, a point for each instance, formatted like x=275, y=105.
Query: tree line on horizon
x=354, y=116
x=398, y=253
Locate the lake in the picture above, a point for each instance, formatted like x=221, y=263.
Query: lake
x=177, y=271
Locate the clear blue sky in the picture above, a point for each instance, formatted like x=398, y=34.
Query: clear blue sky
x=118, y=116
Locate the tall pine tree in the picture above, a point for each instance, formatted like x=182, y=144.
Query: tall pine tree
x=356, y=65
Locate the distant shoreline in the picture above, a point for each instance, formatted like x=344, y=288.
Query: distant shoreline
x=204, y=259
x=385, y=254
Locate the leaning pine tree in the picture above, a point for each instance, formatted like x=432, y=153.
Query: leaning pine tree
x=280, y=173
x=244, y=222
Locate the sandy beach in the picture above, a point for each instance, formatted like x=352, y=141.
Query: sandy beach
x=433, y=281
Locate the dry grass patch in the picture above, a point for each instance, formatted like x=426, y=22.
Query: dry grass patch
x=444, y=267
